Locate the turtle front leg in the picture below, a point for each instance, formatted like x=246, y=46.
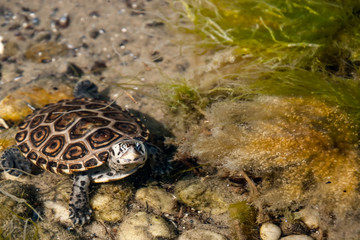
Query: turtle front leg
x=79, y=208
x=159, y=165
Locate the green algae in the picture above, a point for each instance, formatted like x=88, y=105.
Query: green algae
x=245, y=216
x=286, y=32
x=292, y=48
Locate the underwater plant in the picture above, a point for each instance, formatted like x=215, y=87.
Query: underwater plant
x=277, y=96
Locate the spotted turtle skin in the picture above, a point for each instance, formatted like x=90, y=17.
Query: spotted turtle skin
x=74, y=135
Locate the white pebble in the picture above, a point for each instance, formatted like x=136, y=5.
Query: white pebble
x=270, y=231
x=297, y=237
x=310, y=217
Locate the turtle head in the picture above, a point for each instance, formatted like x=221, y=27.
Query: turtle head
x=127, y=155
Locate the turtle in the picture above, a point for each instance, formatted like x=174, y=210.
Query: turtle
x=95, y=140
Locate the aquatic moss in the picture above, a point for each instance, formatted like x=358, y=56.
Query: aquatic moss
x=245, y=215
x=292, y=48
x=305, y=151
x=298, y=33
x=336, y=91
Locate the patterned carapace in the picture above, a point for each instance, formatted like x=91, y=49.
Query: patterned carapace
x=74, y=135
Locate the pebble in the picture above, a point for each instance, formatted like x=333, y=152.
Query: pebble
x=201, y=234
x=270, y=231
x=297, y=237
x=144, y=226
x=109, y=202
x=209, y=195
x=310, y=217
x=156, y=198
x=63, y=21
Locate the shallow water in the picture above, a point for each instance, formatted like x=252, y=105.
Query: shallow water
x=261, y=121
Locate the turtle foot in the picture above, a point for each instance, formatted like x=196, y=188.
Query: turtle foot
x=86, y=89
x=79, y=216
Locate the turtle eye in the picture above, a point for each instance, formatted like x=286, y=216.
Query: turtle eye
x=139, y=147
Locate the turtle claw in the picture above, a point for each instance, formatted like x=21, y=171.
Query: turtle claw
x=79, y=216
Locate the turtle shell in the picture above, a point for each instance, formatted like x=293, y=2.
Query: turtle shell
x=75, y=135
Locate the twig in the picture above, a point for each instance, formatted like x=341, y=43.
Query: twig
x=253, y=190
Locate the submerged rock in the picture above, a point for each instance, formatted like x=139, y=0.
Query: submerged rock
x=143, y=226
x=270, y=231
x=15, y=106
x=157, y=198
x=210, y=195
x=110, y=200
x=297, y=237
x=201, y=234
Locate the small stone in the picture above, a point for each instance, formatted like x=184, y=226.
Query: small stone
x=210, y=195
x=310, y=217
x=201, y=234
x=94, y=14
x=15, y=109
x=98, y=67
x=63, y=21
x=109, y=202
x=143, y=226
x=270, y=231
x=94, y=33
x=156, y=56
x=74, y=70
x=155, y=24
x=157, y=198
x=35, y=21
x=297, y=237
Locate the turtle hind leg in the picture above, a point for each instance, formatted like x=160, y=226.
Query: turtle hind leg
x=86, y=89
x=14, y=163
x=79, y=208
